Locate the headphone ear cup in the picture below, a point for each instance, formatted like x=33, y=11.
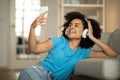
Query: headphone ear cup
x=84, y=34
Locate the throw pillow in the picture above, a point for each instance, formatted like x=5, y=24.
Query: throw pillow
x=104, y=38
x=114, y=41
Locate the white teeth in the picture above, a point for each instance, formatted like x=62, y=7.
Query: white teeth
x=72, y=32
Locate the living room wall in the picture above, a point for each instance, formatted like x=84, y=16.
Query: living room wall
x=112, y=15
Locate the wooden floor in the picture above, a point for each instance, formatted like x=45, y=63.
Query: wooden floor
x=6, y=74
x=13, y=75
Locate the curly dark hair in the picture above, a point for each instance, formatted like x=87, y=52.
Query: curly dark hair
x=85, y=42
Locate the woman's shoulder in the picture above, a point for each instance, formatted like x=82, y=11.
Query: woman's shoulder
x=58, y=40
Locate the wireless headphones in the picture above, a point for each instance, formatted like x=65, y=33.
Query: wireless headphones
x=85, y=32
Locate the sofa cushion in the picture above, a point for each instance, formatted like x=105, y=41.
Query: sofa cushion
x=100, y=68
x=114, y=41
x=104, y=38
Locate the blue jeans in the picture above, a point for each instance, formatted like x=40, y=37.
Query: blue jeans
x=37, y=72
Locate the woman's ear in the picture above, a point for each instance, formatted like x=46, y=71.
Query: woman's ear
x=66, y=32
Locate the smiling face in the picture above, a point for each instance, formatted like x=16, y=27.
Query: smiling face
x=75, y=29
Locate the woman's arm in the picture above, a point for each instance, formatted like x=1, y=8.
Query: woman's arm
x=107, y=51
x=32, y=43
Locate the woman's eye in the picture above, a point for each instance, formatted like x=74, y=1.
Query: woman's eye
x=76, y=25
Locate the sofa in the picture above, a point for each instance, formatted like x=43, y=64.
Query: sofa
x=102, y=68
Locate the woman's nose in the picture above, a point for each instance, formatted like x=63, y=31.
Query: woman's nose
x=72, y=26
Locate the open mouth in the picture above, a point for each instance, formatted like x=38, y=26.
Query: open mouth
x=72, y=32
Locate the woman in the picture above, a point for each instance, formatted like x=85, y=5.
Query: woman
x=65, y=51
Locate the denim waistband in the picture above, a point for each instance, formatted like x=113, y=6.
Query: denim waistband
x=49, y=73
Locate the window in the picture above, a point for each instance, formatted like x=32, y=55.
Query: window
x=25, y=12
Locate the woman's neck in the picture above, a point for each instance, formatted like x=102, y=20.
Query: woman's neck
x=74, y=44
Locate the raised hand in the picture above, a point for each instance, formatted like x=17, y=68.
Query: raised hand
x=40, y=20
x=90, y=30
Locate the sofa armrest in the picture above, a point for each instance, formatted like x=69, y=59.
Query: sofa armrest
x=101, y=68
